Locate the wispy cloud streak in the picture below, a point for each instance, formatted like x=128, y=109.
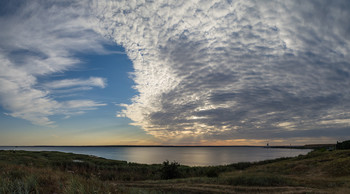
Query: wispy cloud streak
x=70, y=83
x=38, y=39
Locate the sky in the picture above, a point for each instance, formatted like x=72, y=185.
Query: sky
x=184, y=72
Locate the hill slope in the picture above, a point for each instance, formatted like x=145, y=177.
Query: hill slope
x=56, y=172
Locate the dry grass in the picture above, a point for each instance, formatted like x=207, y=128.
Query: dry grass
x=55, y=172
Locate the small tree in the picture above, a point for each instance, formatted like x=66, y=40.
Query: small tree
x=170, y=170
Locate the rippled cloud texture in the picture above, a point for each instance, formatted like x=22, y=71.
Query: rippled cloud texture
x=236, y=69
x=208, y=69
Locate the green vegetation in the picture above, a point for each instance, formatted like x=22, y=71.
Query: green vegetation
x=319, y=171
x=170, y=170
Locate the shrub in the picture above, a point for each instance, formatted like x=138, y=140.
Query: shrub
x=212, y=172
x=170, y=170
x=241, y=165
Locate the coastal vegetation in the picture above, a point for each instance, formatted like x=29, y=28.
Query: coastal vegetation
x=343, y=145
x=320, y=171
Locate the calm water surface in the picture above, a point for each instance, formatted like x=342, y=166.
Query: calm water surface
x=192, y=156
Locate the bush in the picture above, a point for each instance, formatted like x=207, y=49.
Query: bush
x=212, y=172
x=241, y=165
x=170, y=170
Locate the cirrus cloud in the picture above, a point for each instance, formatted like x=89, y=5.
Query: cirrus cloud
x=39, y=39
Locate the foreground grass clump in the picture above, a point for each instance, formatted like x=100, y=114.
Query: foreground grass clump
x=56, y=172
x=33, y=180
x=258, y=180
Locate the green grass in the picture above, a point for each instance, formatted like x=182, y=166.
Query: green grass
x=56, y=172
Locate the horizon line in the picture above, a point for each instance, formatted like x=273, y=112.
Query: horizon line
x=158, y=145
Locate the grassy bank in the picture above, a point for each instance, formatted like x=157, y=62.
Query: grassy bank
x=56, y=172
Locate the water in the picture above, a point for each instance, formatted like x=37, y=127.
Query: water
x=192, y=156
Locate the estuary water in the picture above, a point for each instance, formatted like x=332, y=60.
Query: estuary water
x=192, y=156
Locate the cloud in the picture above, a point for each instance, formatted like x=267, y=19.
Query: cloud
x=38, y=39
x=71, y=83
x=204, y=70
x=234, y=69
x=82, y=104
